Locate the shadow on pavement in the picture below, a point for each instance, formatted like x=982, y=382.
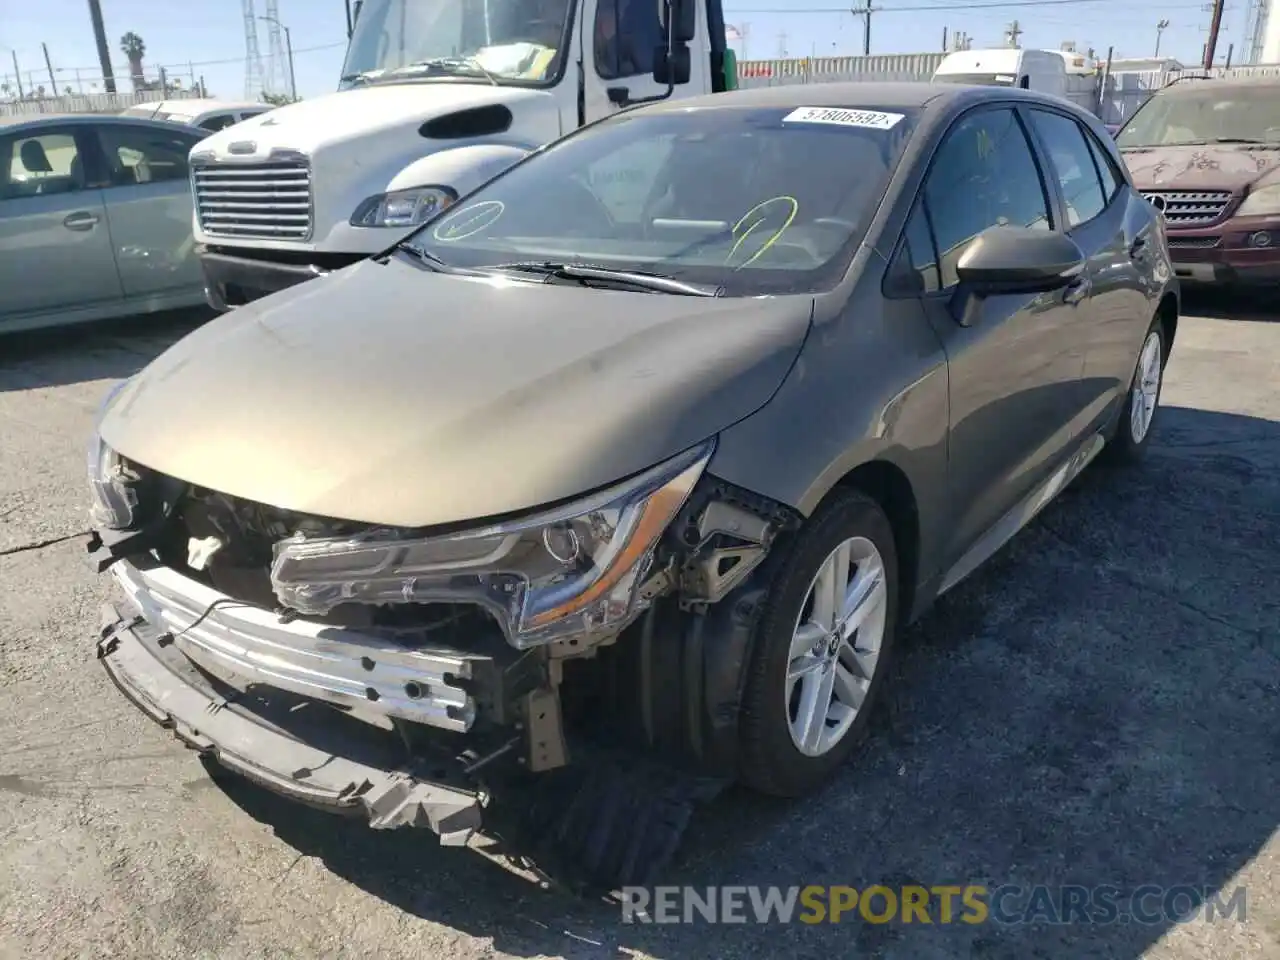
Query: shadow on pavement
x=1254, y=305
x=109, y=350
x=1098, y=706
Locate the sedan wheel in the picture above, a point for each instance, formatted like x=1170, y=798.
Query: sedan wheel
x=1146, y=387
x=835, y=646
x=821, y=645
x=1129, y=438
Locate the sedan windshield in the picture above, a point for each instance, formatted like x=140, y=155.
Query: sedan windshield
x=1206, y=114
x=749, y=200
x=502, y=41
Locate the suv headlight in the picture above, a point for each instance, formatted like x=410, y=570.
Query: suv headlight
x=568, y=571
x=1262, y=202
x=402, y=208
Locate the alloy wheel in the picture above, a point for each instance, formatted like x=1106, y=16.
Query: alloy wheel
x=835, y=646
x=1146, y=388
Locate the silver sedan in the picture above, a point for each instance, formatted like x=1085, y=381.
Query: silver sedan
x=95, y=219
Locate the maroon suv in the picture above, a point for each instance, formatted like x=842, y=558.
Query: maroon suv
x=1206, y=153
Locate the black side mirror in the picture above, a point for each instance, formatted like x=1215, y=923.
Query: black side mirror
x=673, y=68
x=678, y=19
x=1019, y=260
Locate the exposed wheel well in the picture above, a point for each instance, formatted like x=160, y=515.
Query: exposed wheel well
x=889, y=487
x=1168, y=314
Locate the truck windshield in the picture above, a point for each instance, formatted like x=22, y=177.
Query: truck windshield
x=977, y=79
x=1210, y=113
x=504, y=41
x=752, y=200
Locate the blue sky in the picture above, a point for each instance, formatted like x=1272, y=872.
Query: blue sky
x=209, y=34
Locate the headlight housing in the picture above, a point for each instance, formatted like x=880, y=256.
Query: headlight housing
x=1262, y=202
x=568, y=571
x=111, y=480
x=402, y=208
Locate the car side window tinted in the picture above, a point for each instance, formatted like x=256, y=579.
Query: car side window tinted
x=218, y=121
x=1072, y=165
x=45, y=163
x=626, y=32
x=142, y=155
x=915, y=270
x=983, y=175
x=1106, y=167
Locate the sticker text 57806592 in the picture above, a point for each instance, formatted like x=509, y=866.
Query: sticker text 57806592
x=873, y=119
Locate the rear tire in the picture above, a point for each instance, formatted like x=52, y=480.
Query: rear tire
x=821, y=648
x=1132, y=433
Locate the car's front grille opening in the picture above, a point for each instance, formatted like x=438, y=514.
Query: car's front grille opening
x=1190, y=208
x=262, y=200
x=1194, y=243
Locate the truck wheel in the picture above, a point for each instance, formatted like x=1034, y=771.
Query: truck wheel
x=821, y=648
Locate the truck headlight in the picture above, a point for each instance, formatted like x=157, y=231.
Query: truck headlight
x=568, y=571
x=1262, y=202
x=402, y=208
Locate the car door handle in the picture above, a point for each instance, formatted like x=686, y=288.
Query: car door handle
x=1076, y=290
x=80, y=221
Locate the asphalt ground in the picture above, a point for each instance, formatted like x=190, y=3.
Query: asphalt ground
x=1098, y=706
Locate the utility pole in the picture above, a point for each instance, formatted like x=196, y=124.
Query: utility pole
x=944, y=39
x=288, y=45
x=1012, y=34
x=17, y=76
x=53, y=81
x=104, y=52
x=1211, y=46
x=782, y=44
x=1161, y=27
x=865, y=13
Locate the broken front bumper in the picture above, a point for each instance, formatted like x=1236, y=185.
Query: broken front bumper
x=148, y=668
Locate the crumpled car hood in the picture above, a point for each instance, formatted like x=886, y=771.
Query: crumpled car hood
x=1198, y=167
x=389, y=394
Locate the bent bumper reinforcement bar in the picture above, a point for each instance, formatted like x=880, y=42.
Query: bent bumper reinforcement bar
x=161, y=682
x=340, y=666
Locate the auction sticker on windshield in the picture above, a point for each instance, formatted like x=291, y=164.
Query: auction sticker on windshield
x=844, y=118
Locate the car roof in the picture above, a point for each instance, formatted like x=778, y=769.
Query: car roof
x=852, y=94
x=15, y=124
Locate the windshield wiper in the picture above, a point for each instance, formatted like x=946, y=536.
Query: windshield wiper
x=453, y=65
x=636, y=279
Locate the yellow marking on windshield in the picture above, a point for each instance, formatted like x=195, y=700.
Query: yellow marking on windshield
x=795, y=208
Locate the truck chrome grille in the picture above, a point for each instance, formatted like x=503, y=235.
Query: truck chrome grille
x=1189, y=208
x=270, y=201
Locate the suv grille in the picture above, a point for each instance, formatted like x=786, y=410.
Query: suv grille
x=1190, y=208
x=265, y=200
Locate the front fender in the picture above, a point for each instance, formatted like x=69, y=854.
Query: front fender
x=461, y=168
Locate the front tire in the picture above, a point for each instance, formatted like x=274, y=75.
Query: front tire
x=821, y=648
x=1132, y=433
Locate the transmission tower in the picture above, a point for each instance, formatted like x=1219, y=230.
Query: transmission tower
x=276, y=78
x=253, y=88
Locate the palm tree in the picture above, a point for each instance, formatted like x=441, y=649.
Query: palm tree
x=135, y=49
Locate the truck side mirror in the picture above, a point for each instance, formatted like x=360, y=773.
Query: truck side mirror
x=671, y=69
x=679, y=20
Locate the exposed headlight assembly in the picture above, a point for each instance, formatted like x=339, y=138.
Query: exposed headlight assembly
x=568, y=571
x=402, y=208
x=1262, y=202
x=111, y=480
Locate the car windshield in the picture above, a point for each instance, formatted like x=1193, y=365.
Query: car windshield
x=1207, y=114
x=503, y=41
x=751, y=200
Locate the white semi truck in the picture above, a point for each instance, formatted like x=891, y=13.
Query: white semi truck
x=436, y=97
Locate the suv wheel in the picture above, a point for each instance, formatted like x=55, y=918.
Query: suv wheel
x=821, y=648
